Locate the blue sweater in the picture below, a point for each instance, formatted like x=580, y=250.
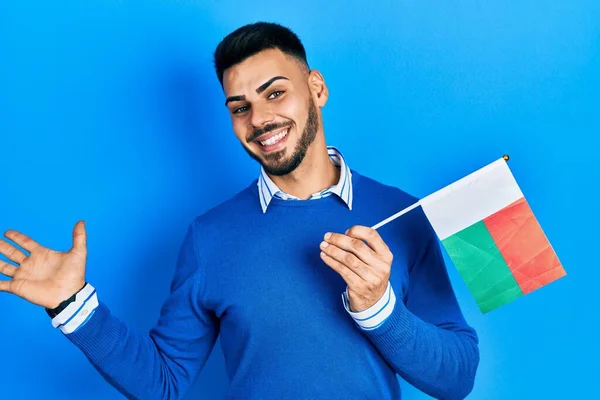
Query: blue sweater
x=257, y=281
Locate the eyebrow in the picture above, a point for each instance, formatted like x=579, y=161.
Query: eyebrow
x=259, y=90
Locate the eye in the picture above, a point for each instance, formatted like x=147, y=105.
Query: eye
x=240, y=110
x=275, y=94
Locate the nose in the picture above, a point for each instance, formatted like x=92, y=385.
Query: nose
x=261, y=115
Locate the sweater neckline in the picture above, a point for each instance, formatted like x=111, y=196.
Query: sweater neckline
x=275, y=201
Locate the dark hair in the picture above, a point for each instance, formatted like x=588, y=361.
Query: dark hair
x=251, y=39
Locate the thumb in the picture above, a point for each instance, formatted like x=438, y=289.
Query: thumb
x=79, y=237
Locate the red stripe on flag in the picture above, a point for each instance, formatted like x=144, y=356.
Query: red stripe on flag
x=524, y=246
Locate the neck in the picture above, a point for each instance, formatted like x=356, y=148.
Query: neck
x=315, y=173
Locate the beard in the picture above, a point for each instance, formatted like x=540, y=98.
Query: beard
x=276, y=164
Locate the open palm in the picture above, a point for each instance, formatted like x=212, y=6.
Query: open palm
x=44, y=277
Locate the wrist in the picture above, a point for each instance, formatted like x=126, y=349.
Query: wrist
x=358, y=304
x=77, y=312
x=374, y=316
x=54, y=311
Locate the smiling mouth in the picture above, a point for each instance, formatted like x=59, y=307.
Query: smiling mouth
x=274, y=139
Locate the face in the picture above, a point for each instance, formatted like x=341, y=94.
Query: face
x=272, y=100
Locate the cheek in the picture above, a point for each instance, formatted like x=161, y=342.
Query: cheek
x=240, y=128
x=292, y=109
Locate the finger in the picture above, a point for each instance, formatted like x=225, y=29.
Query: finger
x=24, y=241
x=347, y=274
x=7, y=269
x=5, y=286
x=11, y=252
x=347, y=259
x=354, y=246
x=79, y=237
x=373, y=239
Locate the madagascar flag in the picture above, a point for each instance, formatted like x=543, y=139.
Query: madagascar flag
x=492, y=236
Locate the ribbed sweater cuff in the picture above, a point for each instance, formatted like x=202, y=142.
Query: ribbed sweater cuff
x=396, y=331
x=98, y=336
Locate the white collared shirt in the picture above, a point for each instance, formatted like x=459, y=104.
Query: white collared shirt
x=267, y=189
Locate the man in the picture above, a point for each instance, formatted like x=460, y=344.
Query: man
x=309, y=302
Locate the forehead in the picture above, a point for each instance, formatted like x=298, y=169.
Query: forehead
x=245, y=77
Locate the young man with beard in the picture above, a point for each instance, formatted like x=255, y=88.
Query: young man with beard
x=309, y=302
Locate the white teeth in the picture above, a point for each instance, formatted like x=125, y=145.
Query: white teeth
x=272, y=140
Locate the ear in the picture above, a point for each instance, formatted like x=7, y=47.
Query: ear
x=318, y=88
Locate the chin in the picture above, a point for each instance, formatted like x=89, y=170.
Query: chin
x=284, y=166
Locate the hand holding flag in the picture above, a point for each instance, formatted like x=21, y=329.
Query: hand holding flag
x=363, y=260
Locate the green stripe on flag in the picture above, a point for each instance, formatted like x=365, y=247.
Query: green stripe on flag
x=482, y=267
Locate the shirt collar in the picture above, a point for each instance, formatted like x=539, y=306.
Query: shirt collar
x=267, y=189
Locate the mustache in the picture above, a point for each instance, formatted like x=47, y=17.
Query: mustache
x=266, y=129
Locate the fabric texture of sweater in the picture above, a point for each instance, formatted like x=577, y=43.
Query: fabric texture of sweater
x=256, y=279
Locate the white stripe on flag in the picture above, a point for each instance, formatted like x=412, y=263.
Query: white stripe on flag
x=471, y=199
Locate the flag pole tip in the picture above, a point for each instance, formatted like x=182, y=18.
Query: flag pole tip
x=506, y=157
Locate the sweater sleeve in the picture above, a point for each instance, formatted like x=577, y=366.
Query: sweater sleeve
x=426, y=338
x=163, y=363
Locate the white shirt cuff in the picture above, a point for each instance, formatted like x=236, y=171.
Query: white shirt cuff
x=374, y=316
x=78, y=312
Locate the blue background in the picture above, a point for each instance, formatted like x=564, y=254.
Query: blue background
x=110, y=112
